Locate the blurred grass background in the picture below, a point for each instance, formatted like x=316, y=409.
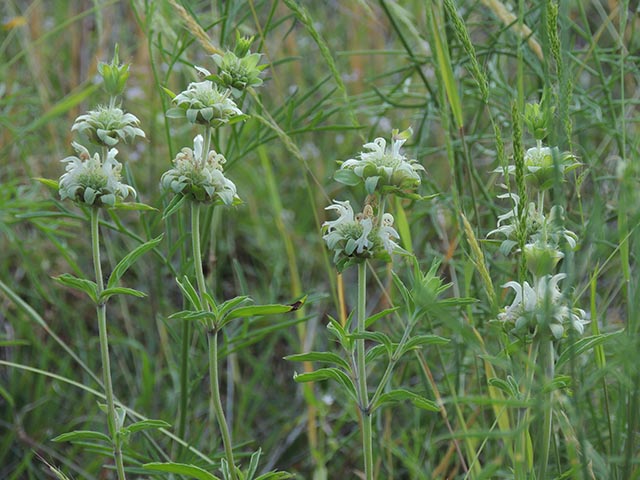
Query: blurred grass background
x=341, y=73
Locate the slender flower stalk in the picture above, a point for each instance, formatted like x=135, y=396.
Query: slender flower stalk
x=101, y=309
x=546, y=359
x=212, y=340
x=363, y=395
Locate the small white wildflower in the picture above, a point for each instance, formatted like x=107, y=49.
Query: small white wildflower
x=203, y=103
x=541, y=306
x=540, y=169
x=354, y=238
x=198, y=178
x=382, y=168
x=108, y=125
x=92, y=180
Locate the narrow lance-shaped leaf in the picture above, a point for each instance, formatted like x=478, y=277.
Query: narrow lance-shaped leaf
x=147, y=424
x=109, y=292
x=257, y=310
x=81, y=435
x=328, y=374
x=87, y=286
x=182, y=469
x=399, y=395
x=190, y=292
x=129, y=259
x=325, y=357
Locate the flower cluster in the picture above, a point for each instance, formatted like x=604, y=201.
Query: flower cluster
x=541, y=306
x=204, y=103
x=107, y=126
x=354, y=238
x=93, y=180
x=541, y=164
x=382, y=168
x=198, y=178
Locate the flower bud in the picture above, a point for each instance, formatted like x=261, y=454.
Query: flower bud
x=114, y=75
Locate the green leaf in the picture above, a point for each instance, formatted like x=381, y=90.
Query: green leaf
x=275, y=476
x=182, y=469
x=377, y=337
x=129, y=259
x=147, y=424
x=328, y=374
x=109, y=292
x=559, y=382
x=47, y=182
x=503, y=385
x=169, y=92
x=374, y=318
x=82, y=284
x=325, y=357
x=80, y=435
x=230, y=304
x=193, y=315
x=338, y=331
x=420, y=341
x=400, y=395
x=174, y=205
x=257, y=310
x=190, y=292
x=347, y=177
x=583, y=345
x=374, y=352
x=133, y=206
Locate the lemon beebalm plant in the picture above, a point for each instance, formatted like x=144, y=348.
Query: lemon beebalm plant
x=197, y=177
x=355, y=240
x=94, y=182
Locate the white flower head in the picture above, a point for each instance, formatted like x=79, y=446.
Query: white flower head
x=354, y=238
x=540, y=166
x=198, y=177
x=108, y=125
x=542, y=308
x=92, y=180
x=205, y=104
x=382, y=168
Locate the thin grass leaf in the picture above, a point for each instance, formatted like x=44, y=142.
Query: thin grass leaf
x=324, y=357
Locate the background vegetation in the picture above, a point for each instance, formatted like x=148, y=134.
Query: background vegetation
x=341, y=73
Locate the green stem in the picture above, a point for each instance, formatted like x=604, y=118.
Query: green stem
x=206, y=145
x=217, y=403
x=367, y=442
x=101, y=310
x=212, y=339
x=547, y=364
x=197, y=254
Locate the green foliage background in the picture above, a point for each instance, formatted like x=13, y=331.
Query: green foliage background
x=341, y=74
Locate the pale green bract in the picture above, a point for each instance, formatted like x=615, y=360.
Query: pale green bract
x=92, y=180
x=203, y=103
x=238, y=73
x=540, y=166
x=542, y=306
x=198, y=178
x=382, y=168
x=108, y=125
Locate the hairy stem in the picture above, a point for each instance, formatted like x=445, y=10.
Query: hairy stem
x=547, y=365
x=101, y=310
x=367, y=442
x=212, y=339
